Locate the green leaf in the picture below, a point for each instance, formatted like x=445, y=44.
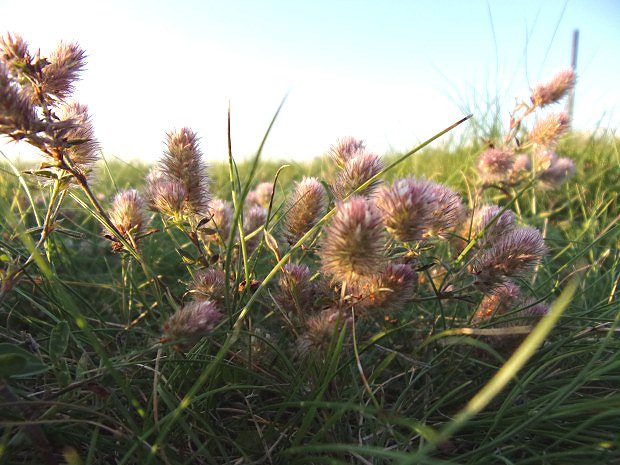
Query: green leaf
x=59, y=339
x=9, y=353
x=11, y=364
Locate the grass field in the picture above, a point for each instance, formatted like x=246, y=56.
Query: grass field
x=137, y=335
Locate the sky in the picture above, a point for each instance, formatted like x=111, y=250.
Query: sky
x=392, y=73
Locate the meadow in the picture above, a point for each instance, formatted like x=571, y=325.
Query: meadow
x=454, y=304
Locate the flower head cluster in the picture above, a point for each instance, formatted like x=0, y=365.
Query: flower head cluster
x=415, y=209
x=82, y=147
x=345, y=149
x=209, y=285
x=261, y=195
x=392, y=288
x=127, y=213
x=182, y=174
x=321, y=329
x=295, y=291
x=353, y=244
x=64, y=68
x=495, y=164
x=547, y=131
x=555, y=90
x=255, y=217
x=192, y=322
x=304, y=209
x=514, y=254
x=356, y=171
x=220, y=221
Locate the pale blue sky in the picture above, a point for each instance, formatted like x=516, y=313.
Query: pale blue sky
x=389, y=72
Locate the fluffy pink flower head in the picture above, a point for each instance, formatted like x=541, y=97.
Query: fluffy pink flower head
x=512, y=255
x=16, y=109
x=392, y=288
x=221, y=219
x=495, y=164
x=14, y=49
x=127, y=212
x=192, y=322
x=559, y=171
x=345, y=149
x=320, y=332
x=499, y=301
x=80, y=136
x=296, y=291
x=494, y=223
x=353, y=243
x=554, y=90
x=355, y=172
x=209, y=285
x=305, y=208
x=415, y=209
x=261, y=195
x=182, y=163
x=64, y=68
x=165, y=195
x=254, y=218
x=547, y=131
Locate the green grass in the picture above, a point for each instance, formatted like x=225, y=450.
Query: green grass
x=111, y=393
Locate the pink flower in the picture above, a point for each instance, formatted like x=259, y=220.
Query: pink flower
x=305, y=208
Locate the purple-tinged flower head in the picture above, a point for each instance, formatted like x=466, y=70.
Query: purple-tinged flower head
x=127, y=213
x=209, y=284
x=356, y=171
x=414, y=209
x=559, y=171
x=14, y=50
x=254, y=218
x=449, y=211
x=534, y=311
x=295, y=290
x=82, y=146
x=512, y=255
x=553, y=91
x=261, y=195
x=16, y=109
x=304, y=209
x=221, y=220
x=195, y=320
x=344, y=149
x=547, y=131
x=393, y=287
x=321, y=329
x=64, y=68
x=182, y=162
x=166, y=196
x=495, y=164
x=354, y=242
x=494, y=223
x=499, y=301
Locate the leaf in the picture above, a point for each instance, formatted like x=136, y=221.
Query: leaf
x=9, y=353
x=59, y=339
x=11, y=364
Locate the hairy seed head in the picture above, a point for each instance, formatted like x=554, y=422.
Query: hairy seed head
x=16, y=109
x=495, y=164
x=255, y=217
x=221, y=219
x=82, y=146
x=127, y=212
x=261, y=195
x=320, y=331
x=166, y=196
x=209, y=284
x=345, y=149
x=547, y=131
x=14, y=50
x=353, y=243
x=356, y=171
x=559, y=171
x=296, y=291
x=66, y=64
x=192, y=322
x=499, y=301
x=554, y=90
x=393, y=287
x=182, y=162
x=305, y=207
x=512, y=255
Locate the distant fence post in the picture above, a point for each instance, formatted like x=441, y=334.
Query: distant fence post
x=573, y=63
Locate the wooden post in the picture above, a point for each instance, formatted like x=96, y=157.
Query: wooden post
x=573, y=62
